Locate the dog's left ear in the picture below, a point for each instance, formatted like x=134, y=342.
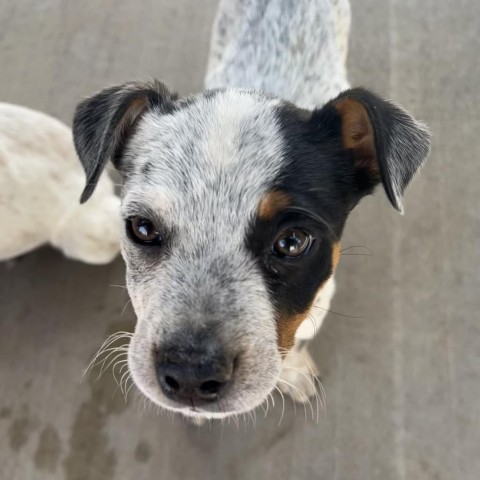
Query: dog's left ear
x=388, y=145
x=103, y=123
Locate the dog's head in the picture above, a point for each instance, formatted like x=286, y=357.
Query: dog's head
x=234, y=202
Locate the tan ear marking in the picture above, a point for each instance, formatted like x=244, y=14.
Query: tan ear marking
x=358, y=134
x=135, y=108
x=272, y=203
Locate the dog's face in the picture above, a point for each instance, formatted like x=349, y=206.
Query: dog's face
x=234, y=202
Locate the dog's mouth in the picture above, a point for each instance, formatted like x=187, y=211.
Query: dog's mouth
x=234, y=400
x=192, y=405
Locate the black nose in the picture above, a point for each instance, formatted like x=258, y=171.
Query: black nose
x=193, y=378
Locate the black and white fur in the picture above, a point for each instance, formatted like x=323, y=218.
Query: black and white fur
x=277, y=116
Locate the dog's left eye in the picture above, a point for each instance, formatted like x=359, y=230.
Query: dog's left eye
x=142, y=230
x=292, y=243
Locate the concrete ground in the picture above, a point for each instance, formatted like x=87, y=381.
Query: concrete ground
x=403, y=382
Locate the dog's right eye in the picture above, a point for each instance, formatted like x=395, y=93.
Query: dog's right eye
x=142, y=230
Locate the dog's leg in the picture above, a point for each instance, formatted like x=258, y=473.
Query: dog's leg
x=299, y=372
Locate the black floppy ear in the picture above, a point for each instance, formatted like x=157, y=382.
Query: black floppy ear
x=103, y=123
x=387, y=143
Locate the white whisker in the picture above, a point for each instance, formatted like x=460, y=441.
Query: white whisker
x=283, y=405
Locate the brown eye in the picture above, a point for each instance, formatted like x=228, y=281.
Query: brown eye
x=292, y=243
x=143, y=231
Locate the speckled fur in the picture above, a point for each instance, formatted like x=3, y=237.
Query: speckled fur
x=199, y=167
x=40, y=180
x=294, y=49
x=208, y=282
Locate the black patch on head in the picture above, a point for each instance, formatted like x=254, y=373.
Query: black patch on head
x=292, y=282
x=319, y=181
x=322, y=187
x=324, y=182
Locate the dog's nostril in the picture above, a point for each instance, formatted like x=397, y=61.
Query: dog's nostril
x=172, y=383
x=210, y=389
x=211, y=386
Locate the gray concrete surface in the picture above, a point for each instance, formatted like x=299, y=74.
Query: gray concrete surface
x=403, y=383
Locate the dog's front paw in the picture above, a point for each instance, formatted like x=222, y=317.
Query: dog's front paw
x=298, y=377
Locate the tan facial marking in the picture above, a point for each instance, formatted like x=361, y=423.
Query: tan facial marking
x=287, y=325
x=335, y=255
x=357, y=134
x=272, y=203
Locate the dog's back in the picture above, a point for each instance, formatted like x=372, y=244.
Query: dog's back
x=39, y=182
x=295, y=49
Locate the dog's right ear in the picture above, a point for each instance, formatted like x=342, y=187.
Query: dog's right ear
x=387, y=144
x=103, y=123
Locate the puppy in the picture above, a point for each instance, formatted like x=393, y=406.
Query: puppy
x=40, y=179
x=235, y=200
